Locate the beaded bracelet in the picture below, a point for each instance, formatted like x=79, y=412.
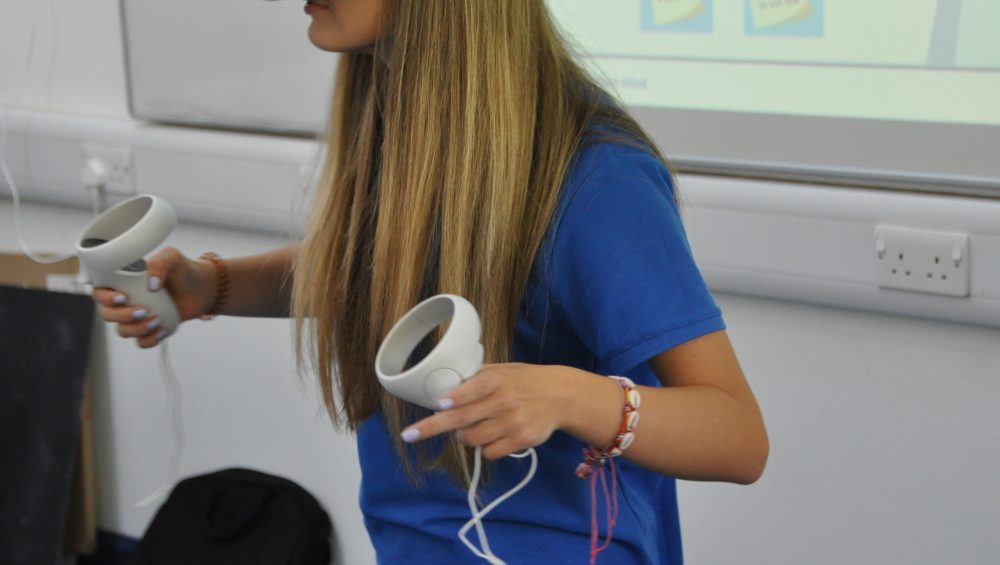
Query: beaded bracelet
x=593, y=457
x=221, y=284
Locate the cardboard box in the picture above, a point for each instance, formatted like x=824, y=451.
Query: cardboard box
x=19, y=270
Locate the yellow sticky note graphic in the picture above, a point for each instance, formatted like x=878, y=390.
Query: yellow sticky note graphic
x=770, y=13
x=670, y=11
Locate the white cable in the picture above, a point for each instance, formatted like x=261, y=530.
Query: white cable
x=16, y=197
x=174, y=396
x=477, y=514
x=5, y=170
x=484, y=542
x=172, y=385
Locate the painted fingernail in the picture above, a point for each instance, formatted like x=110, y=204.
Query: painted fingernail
x=445, y=404
x=161, y=334
x=155, y=283
x=139, y=314
x=154, y=323
x=410, y=435
x=119, y=299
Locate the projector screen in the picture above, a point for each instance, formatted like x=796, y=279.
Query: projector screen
x=897, y=93
x=880, y=93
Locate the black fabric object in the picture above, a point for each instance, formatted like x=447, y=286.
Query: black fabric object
x=237, y=516
x=44, y=342
x=112, y=549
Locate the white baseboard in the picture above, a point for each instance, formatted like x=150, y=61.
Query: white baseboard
x=238, y=180
x=811, y=244
x=816, y=244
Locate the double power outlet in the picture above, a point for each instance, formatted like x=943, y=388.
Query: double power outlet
x=921, y=260
x=109, y=167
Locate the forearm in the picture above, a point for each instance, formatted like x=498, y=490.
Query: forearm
x=703, y=424
x=689, y=432
x=260, y=285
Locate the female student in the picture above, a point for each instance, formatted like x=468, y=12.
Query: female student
x=469, y=154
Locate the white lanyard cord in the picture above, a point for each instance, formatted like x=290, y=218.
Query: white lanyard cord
x=477, y=514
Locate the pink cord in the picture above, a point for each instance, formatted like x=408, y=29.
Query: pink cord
x=593, y=465
x=610, y=508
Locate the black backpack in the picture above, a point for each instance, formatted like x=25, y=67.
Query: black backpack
x=237, y=516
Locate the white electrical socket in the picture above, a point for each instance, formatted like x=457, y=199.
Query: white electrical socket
x=922, y=260
x=117, y=165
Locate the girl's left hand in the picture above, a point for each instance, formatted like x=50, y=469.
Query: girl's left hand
x=504, y=408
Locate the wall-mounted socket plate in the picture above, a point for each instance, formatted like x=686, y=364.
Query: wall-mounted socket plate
x=117, y=164
x=922, y=260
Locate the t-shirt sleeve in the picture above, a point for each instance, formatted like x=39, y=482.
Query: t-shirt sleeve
x=621, y=271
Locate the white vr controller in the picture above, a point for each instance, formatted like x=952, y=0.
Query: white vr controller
x=113, y=246
x=457, y=356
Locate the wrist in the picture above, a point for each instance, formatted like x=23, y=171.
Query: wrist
x=206, y=281
x=215, y=277
x=593, y=405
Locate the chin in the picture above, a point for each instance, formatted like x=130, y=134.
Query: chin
x=336, y=43
x=323, y=40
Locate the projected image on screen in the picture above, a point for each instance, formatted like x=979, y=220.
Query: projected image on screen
x=784, y=17
x=907, y=60
x=677, y=16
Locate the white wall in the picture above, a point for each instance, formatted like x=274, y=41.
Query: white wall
x=884, y=434
x=883, y=429
x=243, y=403
x=75, y=63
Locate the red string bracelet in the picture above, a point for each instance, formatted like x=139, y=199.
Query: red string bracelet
x=593, y=466
x=594, y=458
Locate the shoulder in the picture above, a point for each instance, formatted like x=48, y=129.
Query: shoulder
x=612, y=187
x=613, y=178
x=618, y=268
x=618, y=204
x=601, y=162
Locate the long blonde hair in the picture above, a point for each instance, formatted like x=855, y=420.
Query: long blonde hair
x=448, y=148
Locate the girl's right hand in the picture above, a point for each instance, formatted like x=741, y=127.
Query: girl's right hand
x=191, y=285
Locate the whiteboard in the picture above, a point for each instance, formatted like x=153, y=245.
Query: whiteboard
x=248, y=64
x=243, y=64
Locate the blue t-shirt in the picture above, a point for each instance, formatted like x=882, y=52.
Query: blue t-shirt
x=614, y=285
